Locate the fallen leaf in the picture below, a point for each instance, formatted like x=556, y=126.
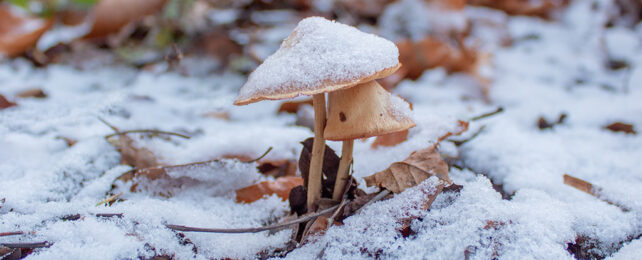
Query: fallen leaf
x=419, y=166
x=138, y=157
x=542, y=123
x=70, y=142
x=34, y=93
x=430, y=53
x=277, y=168
x=292, y=107
x=218, y=115
x=19, y=32
x=281, y=187
x=462, y=126
x=391, y=139
x=621, y=127
x=297, y=198
x=218, y=44
x=430, y=196
x=109, y=16
x=542, y=8
x=4, y=103
x=367, y=8
x=329, y=169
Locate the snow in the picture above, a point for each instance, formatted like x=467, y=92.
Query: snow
x=513, y=203
x=317, y=54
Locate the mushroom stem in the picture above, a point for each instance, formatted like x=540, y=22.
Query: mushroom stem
x=318, y=150
x=344, y=169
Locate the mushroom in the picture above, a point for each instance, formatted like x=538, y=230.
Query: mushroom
x=362, y=111
x=319, y=56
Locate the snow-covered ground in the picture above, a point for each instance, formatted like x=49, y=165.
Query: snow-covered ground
x=553, y=67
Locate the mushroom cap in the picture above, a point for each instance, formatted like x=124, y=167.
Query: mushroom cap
x=320, y=56
x=365, y=110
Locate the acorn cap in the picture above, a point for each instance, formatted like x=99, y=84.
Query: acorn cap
x=320, y=56
x=365, y=110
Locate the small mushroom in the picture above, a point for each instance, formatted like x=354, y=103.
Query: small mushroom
x=362, y=111
x=319, y=56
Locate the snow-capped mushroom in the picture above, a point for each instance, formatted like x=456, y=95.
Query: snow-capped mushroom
x=319, y=56
x=362, y=111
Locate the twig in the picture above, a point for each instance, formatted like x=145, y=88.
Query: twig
x=374, y=199
x=153, y=131
x=110, y=199
x=344, y=201
x=109, y=215
x=108, y=124
x=591, y=189
x=251, y=230
x=13, y=233
x=260, y=157
x=461, y=142
x=482, y=116
x=27, y=245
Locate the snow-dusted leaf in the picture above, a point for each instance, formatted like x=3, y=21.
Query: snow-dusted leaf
x=420, y=165
x=138, y=157
x=281, y=187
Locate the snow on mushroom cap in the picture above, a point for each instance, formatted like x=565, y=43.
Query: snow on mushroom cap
x=320, y=56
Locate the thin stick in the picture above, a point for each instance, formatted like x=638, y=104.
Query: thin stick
x=13, y=233
x=591, y=189
x=153, y=131
x=27, y=245
x=110, y=199
x=108, y=124
x=344, y=169
x=482, y=116
x=379, y=196
x=260, y=157
x=336, y=212
x=318, y=150
x=461, y=142
x=252, y=230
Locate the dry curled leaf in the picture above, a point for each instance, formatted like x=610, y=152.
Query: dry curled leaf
x=281, y=187
x=33, y=93
x=462, y=126
x=111, y=15
x=329, y=169
x=419, y=166
x=19, y=32
x=621, y=127
x=430, y=53
x=4, y=103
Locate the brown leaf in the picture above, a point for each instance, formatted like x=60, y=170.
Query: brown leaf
x=19, y=32
x=391, y=139
x=218, y=115
x=430, y=196
x=621, y=127
x=70, y=142
x=277, y=168
x=138, y=157
x=367, y=8
x=34, y=93
x=419, y=166
x=293, y=106
x=281, y=187
x=462, y=126
x=541, y=8
x=4, y=103
x=112, y=15
x=330, y=166
x=430, y=53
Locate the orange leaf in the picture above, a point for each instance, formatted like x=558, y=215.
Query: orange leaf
x=281, y=187
x=111, y=15
x=19, y=32
x=621, y=127
x=520, y=7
